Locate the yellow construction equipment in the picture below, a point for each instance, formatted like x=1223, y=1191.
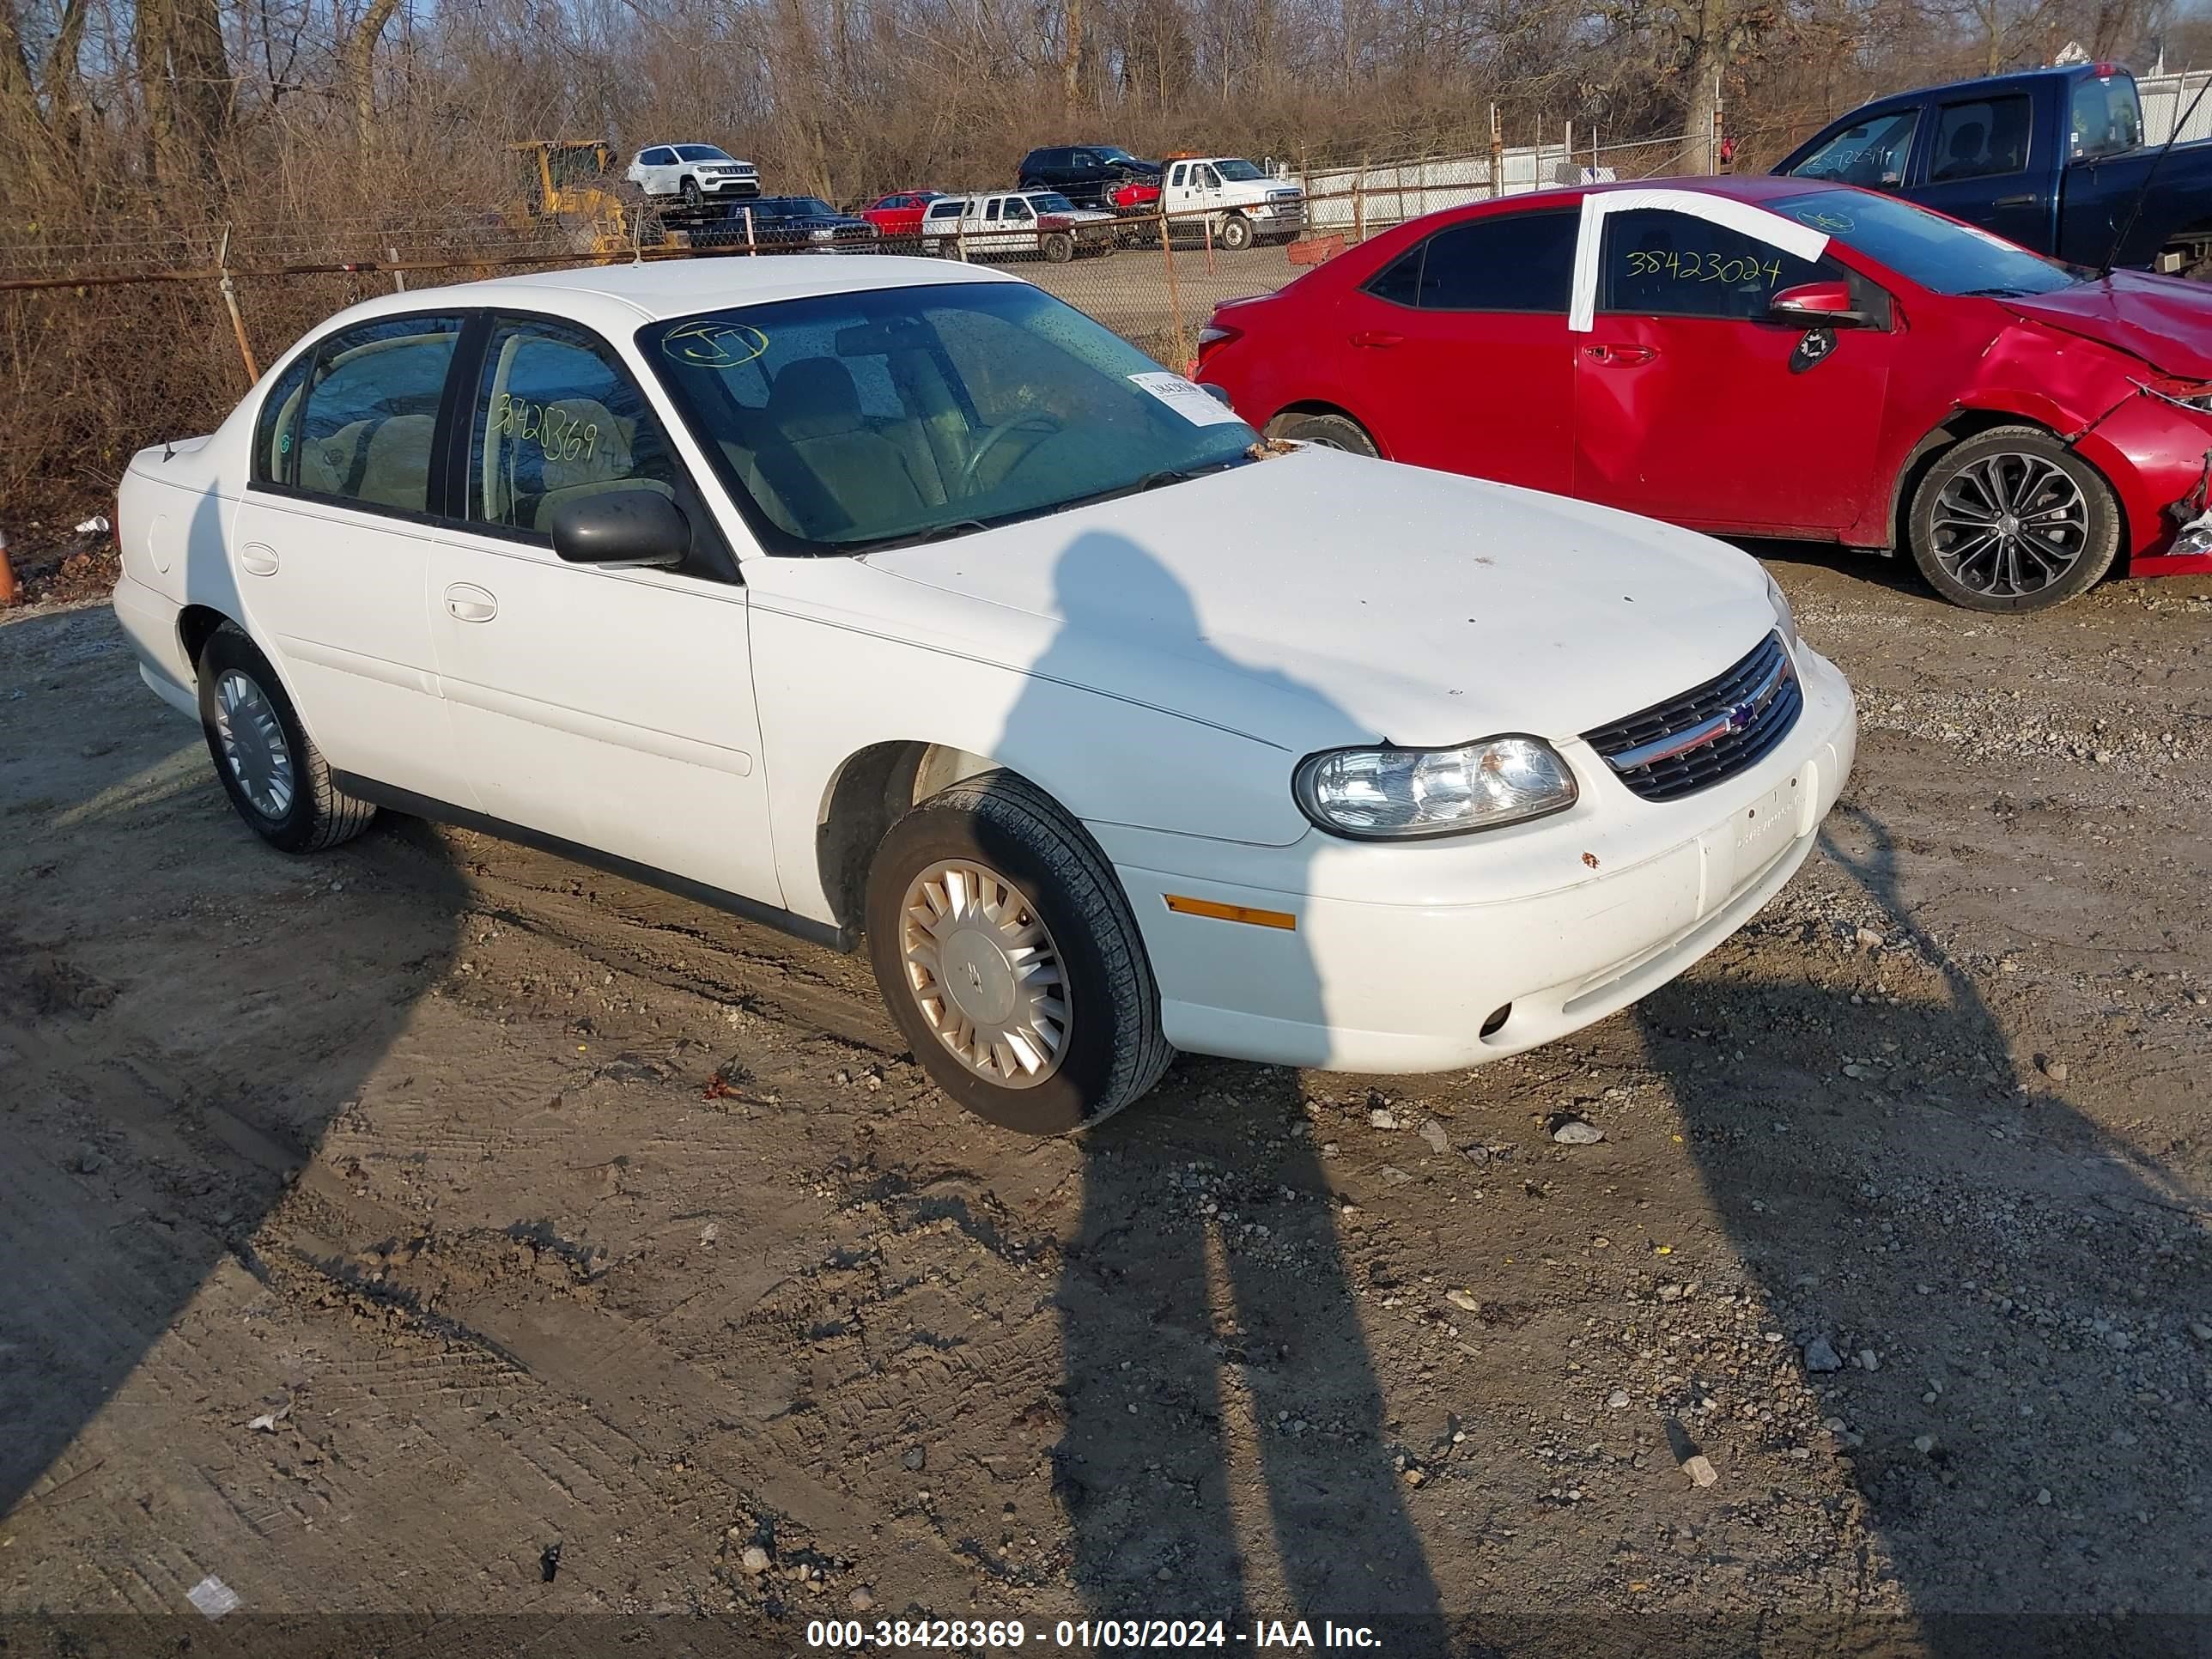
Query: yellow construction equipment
x=574, y=190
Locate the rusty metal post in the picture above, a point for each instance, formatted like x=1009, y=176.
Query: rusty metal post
x=229, y=290
x=1497, y=156
x=399, y=276
x=1206, y=231
x=1182, y=347
x=9, y=591
x=752, y=248
x=1360, y=205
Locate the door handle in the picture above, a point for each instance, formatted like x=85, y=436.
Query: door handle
x=466, y=602
x=257, y=560
x=2025, y=200
x=1619, y=356
x=1377, y=337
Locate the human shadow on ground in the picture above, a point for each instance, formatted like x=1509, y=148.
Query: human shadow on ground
x=1235, y=1325
x=2029, y=1446
x=183, y=1011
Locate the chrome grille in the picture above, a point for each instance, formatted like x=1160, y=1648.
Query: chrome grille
x=1709, y=733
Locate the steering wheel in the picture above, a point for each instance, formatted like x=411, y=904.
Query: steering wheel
x=1037, y=420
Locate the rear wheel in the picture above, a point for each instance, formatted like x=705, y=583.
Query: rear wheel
x=2012, y=520
x=274, y=774
x=1328, y=431
x=1005, y=949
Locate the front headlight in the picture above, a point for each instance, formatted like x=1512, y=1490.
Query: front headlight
x=1784, y=619
x=1403, y=794
x=823, y=233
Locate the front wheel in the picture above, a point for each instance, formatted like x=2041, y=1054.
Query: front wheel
x=691, y=196
x=1327, y=431
x=274, y=774
x=2012, y=520
x=1235, y=233
x=1059, y=247
x=1006, y=948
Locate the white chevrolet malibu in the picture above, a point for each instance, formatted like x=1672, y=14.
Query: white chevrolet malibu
x=895, y=600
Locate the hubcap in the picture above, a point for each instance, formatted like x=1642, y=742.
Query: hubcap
x=2010, y=524
x=253, y=744
x=985, y=973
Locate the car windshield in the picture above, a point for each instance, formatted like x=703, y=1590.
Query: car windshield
x=1941, y=256
x=1050, y=201
x=1238, y=168
x=797, y=207
x=701, y=153
x=845, y=422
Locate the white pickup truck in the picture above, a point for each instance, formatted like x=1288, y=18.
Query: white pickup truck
x=1232, y=200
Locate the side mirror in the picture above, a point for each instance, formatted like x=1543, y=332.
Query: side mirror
x=1816, y=305
x=1219, y=394
x=620, y=527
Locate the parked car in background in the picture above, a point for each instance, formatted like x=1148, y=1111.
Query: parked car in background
x=1762, y=357
x=1236, y=202
x=1093, y=176
x=900, y=213
x=895, y=600
x=798, y=222
x=1039, y=223
x=695, y=175
x=2051, y=159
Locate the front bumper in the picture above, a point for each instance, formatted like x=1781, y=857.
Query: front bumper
x=1401, y=954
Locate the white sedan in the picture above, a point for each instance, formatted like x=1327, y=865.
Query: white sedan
x=894, y=599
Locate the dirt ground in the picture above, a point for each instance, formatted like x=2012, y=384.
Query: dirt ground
x=437, y=1228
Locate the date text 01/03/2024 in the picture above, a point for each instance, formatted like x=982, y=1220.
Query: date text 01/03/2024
x=973, y=1634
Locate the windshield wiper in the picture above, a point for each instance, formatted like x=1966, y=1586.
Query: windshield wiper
x=942, y=533
x=1165, y=476
x=1993, y=293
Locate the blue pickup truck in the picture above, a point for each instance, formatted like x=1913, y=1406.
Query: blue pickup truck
x=2051, y=159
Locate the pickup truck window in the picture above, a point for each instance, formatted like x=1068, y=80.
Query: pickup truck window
x=1981, y=138
x=2107, y=118
x=1207, y=178
x=1241, y=171
x=1871, y=153
x=1941, y=256
x=1658, y=263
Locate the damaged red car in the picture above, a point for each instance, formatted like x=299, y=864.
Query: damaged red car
x=1770, y=358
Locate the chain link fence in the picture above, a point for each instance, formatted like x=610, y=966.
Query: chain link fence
x=107, y=342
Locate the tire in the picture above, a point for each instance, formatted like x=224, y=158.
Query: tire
x=1058, y=248
x=1236, y=234
x=952, y=247
x=1327, y=431
x=2065, y=522
x=242, y=697
x=1110, y=1050
x=692, y=199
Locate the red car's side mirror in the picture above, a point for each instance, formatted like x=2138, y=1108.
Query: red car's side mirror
x=1817, y=305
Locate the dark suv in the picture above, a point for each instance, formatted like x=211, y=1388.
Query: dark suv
x=1093, y=176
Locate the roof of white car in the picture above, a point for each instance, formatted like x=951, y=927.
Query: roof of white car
x=620, y=296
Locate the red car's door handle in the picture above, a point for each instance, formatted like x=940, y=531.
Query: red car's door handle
x=1618, y=356
x=1376, y=337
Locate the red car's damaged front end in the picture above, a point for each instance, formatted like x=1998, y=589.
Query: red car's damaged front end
x=2139, y=401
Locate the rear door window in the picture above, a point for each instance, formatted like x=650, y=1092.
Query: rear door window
x=1506, y=262
x=1982, y=138
x=369, y=413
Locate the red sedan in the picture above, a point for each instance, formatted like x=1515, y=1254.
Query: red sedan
x=900, y=213
x=1757, y=357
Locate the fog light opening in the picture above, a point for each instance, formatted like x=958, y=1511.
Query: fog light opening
x=1496, y=1022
